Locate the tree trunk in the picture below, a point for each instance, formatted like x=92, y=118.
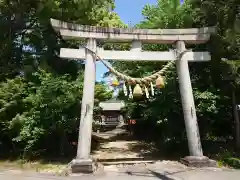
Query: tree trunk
x=236, y=120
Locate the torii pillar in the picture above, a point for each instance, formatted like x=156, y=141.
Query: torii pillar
x=178, y=37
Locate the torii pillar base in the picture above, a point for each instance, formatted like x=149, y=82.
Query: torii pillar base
x=198, y=161
x=86, y=166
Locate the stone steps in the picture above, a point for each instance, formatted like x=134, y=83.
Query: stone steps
x=126, y=162
x=109, y=135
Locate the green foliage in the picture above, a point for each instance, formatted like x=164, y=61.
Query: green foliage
x=53, y=107
x=233, y=162
x=229, y=159
x=28, y=40
x=44, y=109
x=167, y=14
x=40, y=94
x=12, y=93
x=161, y=117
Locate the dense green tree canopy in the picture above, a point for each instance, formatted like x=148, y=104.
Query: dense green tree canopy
x=40, y=94
x=212, y=91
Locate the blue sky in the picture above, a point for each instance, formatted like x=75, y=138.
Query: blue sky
x=130, y=12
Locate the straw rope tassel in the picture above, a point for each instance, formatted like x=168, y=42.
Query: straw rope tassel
x=160, y=82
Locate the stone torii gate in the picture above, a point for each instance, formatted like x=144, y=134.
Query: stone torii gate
x=177, y=37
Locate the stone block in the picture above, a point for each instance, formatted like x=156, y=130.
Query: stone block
x=198, y=161
x=83, y=166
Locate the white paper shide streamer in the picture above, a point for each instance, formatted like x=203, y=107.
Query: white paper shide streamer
x=146, y=92
x=152, y=89
x=130, y=92
x=125, y=89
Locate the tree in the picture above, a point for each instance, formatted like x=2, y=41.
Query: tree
x=35, y=112
x=224, y=44
x=29, y=38
x=231, y=76
x=213, y=105
x=41, y=93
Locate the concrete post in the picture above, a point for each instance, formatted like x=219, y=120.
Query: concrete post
x=188, y=105
x=83, y=163
x=136, y=46
x=196, y=157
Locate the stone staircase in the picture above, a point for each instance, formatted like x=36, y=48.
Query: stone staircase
x=115, y=147
x=113, y=152
x=109, y=135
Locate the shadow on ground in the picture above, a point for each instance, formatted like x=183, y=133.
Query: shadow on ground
x=172, y=148
x=175, y=150
x=160, y=175
x=151, y=174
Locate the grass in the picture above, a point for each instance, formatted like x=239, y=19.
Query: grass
x=230, y=162
x=229, y=159
x=37, y=166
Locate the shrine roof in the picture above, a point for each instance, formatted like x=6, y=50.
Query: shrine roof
x=112, y=105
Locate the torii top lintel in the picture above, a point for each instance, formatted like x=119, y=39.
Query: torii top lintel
x=162, y=36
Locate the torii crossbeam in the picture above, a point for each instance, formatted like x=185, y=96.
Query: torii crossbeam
x=178, y=37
